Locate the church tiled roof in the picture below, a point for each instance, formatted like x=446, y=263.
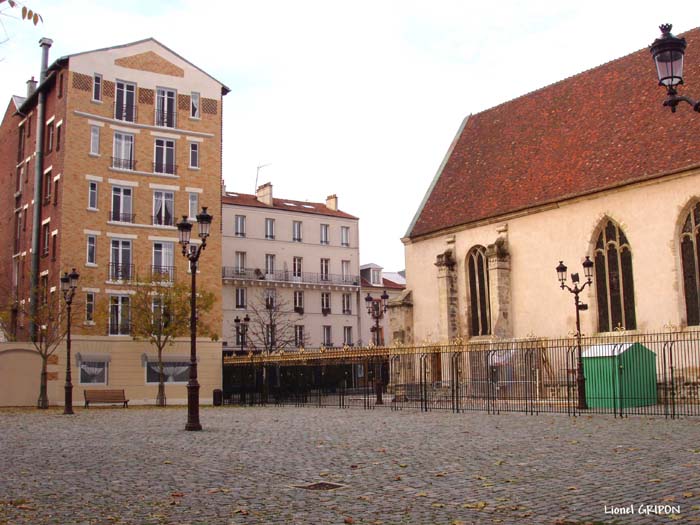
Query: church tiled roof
x=603, y=128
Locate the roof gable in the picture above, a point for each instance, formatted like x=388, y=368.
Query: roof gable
x=600, y=129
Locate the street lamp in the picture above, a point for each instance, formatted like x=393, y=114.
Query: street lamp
x=242, y=330
x=192, y=253
x=376, y=309
x=667, y=52
x=576, y=290
x=69, y=282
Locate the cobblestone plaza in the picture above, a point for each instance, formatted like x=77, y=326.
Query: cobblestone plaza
x=250, y=465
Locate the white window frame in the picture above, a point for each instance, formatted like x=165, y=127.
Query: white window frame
x=327, y=335
x=194, y=155
x=239, y=226
x=193, y=199
x=95, y=141
x=165, y=145
x=91, y=242
x=92, y=192
x=269, y=228
x=195, y=107
x=123, y=151
x=347, y=335
x=125, y=90
x=297, y=267
x=240, y=261
x=241, y=298
x=90, y=308
x=325, y=300
x=122, y=191
x=122, y=301
x=297, y=231
x=347, y=304
x=345, y=236
x=325, y=234
x=164, y=197
x=298, y=299
x=166, y=105
x=270, y=263
x=299, y=335
x=97, y=87
x=325, y=269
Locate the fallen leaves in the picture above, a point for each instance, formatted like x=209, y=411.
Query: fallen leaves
x=479, y=505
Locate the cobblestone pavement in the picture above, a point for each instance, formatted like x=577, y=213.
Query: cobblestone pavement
x=139, y=466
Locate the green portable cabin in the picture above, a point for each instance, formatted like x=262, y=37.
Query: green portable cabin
x=619, y=375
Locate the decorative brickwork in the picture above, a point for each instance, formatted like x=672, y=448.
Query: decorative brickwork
x=210, y=106
x=146, y=96
x=150, y=61
x=183, y=102
x=82, y=82
x=108, y=89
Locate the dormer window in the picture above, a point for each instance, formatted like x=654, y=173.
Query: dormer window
x=376, y=276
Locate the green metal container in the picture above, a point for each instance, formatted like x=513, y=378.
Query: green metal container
x=620, y=375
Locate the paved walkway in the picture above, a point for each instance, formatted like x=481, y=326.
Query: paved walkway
x=137, y=466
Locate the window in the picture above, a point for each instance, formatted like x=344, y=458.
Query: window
x=194, y=155
x=163, y=208
x=121, y=204
x=18, y=231
x=325, y=303
x=297, y=268
x=54, y=245
x=50, y=130
x=165, y=107
x=299, y=301
x=47, y=187
x=270, y=299
x=91, y=256
x=123, y=158
x=376, y=276
x=241, y=298
x=193, y=205
x=299, y=335
x=347, y=335
x=347, y=303
x=45, y=239
x=240, y=262
x=124, y=104
x=59, y=127
x=20, y=144
x=89, y=307
x=163, y=261
x=270, y=335
x=324, y=234
x=173, y=372
x=296, y=231
x=345, y=236
x=92, y=195
x=44, y=288
x=94, y=140
x=269, y=228
x=97, y=87
x=269, y=263
x=18, y=179
x=241, y=335
x=478, y=277
x=690, y=254
x=239, y=226
x=325, y=268
x=327, y=336
x=614, y=280
x=55, y=191
x=161, y=314
x=93, y=372
x=345, y=270
x=164, y=157
x=119, y=310
x=120, y=267
x=194, y=105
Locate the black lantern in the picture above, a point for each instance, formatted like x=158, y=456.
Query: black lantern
x=184, y=230
x=561, y=273
x=204, y=223
x=588, y=268
x=668, y=51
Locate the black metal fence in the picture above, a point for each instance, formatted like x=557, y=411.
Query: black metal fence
x=624, y=374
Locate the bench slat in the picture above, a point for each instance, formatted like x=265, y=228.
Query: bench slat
x=105, y=396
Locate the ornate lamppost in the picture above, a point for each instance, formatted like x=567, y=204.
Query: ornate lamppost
x=192, y=253
x=576, y=290
x=668, y=51
x=242, y=333
x=376, y=309
x=69, y=283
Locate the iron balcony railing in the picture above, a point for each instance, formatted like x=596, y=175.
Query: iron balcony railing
x=122, y=328
x=165, y=167
x=123, y=164
x=125, y=112
x=117, y=216
x=257, y=274
x=120, y=272
x=165, y=118
x=163, y=220
x=162, y=273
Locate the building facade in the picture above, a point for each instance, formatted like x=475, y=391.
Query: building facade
x=102, y=157
x=573, y=170
x=375, y=283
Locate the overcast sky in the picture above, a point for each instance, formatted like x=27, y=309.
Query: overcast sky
x=360, y=98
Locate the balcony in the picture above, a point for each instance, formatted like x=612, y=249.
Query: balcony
x=165, y=168
x=116, y=216
x=163, y=220
x=123, y=164
x=285, y=276
x=162, y=273
x=125, y=112
x=165, y=118
x=120, y=272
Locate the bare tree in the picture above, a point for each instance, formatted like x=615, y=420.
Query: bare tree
x=273, y=323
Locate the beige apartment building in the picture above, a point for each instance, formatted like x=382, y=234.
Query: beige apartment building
x=122, y=142
x=291, y=267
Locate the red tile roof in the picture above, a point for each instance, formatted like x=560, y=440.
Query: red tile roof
x=386, y=284
x=602, y=128
x=244, y=199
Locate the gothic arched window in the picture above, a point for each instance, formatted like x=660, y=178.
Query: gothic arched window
x=478, y=278
x=614, y=282
x=690, y=254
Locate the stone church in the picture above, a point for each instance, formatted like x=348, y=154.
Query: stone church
x=592, y=166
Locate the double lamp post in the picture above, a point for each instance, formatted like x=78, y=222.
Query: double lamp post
x=376, y=309
x=69, y=283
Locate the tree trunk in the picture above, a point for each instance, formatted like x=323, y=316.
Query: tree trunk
x=43, y=401
x=160, y=399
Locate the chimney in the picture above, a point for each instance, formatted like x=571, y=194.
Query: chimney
x=44, y=44
x=264, y=193
x=31, y=86
x=332, y=202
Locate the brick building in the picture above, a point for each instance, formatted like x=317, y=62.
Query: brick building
x=98, y=160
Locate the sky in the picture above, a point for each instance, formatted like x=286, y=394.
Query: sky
x=360, y=99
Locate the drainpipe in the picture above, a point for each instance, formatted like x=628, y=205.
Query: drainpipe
x=45, y=44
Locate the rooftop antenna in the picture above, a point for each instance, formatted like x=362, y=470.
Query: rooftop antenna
x=257, y=172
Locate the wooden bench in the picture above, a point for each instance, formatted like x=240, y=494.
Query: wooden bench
x=105, y=396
